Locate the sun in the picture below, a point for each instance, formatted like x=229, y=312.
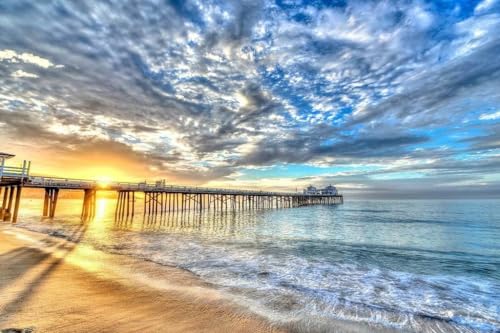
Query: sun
x=103, y=181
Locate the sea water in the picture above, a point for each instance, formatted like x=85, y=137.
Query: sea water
x=421, y=265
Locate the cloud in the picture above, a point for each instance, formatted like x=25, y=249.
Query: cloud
x=485, y=5
x=490, y=116
x=28, y=58
x=205, y=90
x=20, y=73
x=432, y=96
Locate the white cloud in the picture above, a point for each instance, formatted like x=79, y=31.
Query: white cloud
x=35, y=60
x=8, y=55
x=475, y=32
x=484, y=6
x=490, y=116
x=27, y=58
x=20, y=73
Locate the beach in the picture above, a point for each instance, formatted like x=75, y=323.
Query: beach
x=49, y=284
x=355, y=267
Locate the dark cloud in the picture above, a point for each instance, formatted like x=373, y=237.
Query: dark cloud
x=302, y=150
x=489, y=139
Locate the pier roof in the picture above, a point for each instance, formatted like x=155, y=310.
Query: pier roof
x=6, y=155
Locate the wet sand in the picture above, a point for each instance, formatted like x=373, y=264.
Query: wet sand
x=52, y=285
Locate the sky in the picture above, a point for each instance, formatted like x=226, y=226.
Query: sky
x=385, y=99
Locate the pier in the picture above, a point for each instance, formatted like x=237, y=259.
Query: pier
x=159, y=197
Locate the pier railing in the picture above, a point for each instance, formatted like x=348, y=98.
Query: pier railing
x=68, y=183
x=21, y=172
x=154, y=187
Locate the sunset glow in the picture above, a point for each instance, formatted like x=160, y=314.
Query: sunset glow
x=104, y=181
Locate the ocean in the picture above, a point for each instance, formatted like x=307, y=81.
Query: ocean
x=409, y=266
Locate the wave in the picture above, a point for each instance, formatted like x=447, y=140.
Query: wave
x=295, y=288
x=308, y=268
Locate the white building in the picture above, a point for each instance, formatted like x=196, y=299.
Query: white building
x=329, y=190
x=311, y=190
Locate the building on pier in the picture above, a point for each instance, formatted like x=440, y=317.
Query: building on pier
x=12, y=173
x=329, y=190
x=311, y=190
x=3, y=158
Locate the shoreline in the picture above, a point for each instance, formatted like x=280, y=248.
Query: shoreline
x=53, y=285
x=44, y=275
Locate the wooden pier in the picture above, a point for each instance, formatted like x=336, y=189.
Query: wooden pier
x=159, y=198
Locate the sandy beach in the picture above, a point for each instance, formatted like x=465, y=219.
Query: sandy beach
x=48, y=284
x=51, y=284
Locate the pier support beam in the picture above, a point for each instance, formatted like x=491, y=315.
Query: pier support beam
x=55, y=196
x=89, y=204
x=10, y=203
x=46, y=203
x=50, y=202
x=16, y=203
x=3, y=212
x=7, y=211
x=125, y=204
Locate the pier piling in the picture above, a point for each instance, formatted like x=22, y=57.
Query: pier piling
x=8, y=212
x=17, y=203
x=89, y=204
x=50, y=202
x=3, y=212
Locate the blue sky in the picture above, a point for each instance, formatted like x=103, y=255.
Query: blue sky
x=382, y=98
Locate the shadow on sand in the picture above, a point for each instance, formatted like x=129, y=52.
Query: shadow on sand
x=16, y=264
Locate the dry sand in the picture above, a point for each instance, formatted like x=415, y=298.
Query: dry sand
x=52, y=285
